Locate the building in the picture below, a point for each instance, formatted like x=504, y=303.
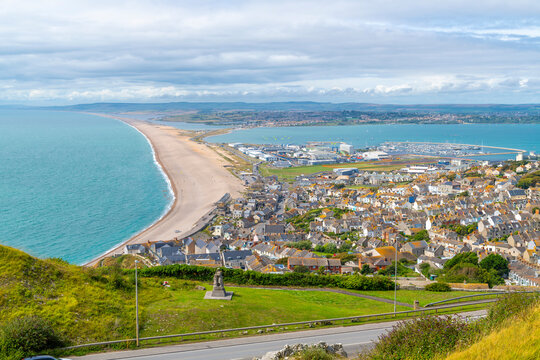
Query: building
x=346, y=148
x=313, y=264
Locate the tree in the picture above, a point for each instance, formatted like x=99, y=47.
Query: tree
x=463, y=258
x=421, y=235
x=496, y=262
x=330, y=248
x=283, y=261
x=366, y=270
x=301, y=269
x=300, y=245
x=425, y=268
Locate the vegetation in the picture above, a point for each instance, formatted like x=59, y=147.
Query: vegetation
x=529, y=180
x=434, y=337
x=511, y=331
x=464, y=267
x=462, y=230
x=293, y=172
x=81, y=305
x=303, y=221
x=420, y=338
x=402, y=270
x=300, y=245
x=28, y=335
x=438, y=287
x=421, y=235
x=241, y=277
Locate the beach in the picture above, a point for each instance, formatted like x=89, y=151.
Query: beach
x=197, y=178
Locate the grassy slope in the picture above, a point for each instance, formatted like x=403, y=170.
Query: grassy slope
x=520, y=340
x=79, y=305
x=181, y=309
x=424, y=297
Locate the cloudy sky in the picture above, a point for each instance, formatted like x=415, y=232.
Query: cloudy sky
x=74, y=51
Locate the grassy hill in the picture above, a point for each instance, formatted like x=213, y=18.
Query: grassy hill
x=83, y=304
x=518, y=340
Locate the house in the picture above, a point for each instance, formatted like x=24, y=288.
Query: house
x=313, y=264
x=415, y=247
x=235, y=259
x=135, y=249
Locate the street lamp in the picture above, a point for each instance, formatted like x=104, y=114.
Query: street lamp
x=136, y=304
x=395, y=279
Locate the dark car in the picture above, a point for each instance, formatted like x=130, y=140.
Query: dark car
x=43, y=357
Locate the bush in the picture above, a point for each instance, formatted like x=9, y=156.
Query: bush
x=510, y=305
x=438, y=286
x=420, y=338
x=27, y=336
x=240, y=277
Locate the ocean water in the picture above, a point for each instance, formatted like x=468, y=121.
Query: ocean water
x=74, y=185
x=518, y=136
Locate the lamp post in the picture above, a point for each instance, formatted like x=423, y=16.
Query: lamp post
x=395, y=279
x=136, y=304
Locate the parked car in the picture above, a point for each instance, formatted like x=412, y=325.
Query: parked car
x=43, y=357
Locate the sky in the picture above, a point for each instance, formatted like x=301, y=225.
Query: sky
x=65, y=52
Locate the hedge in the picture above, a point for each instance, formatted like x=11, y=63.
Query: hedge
x=241, y=277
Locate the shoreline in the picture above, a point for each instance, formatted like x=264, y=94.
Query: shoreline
x=172, y=214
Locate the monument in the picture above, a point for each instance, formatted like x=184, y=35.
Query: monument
x=218, y=292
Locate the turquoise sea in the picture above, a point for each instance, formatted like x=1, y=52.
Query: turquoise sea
x=74, y=185
x=520, y=136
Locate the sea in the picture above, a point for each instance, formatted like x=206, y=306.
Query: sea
x=516, y=136
x=74, y=185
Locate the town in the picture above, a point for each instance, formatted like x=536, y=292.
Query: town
x=408, y=221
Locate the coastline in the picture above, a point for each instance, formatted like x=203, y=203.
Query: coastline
x=165, y=140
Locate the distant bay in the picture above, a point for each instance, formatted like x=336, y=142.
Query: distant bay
x=519, y=136
x=74, y=185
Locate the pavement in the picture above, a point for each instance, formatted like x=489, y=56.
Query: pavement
x=354, y=339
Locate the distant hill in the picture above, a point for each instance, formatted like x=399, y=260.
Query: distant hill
x=306, y=106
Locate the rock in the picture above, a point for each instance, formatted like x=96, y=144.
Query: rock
x=199, y=287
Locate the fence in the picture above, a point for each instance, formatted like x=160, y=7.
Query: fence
x=272, y=327
x=478, y=297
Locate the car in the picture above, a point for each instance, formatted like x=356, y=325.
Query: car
x=43, y=357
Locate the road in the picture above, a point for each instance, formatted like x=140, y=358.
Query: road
x=353, y=339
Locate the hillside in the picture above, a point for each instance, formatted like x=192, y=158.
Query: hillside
x=82, y=304
x=519, y=340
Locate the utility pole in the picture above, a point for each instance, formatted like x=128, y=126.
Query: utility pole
x=136, y=304
x=395, y=279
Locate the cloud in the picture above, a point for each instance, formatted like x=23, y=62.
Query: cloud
x=65, y=51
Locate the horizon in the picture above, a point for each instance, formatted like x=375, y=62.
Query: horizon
x=65, y=53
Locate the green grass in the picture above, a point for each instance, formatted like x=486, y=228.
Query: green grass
x=292, y=172
x=181, y=309
x=424, y=297
x=82, y=304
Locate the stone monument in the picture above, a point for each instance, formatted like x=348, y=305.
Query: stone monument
x=218, y=292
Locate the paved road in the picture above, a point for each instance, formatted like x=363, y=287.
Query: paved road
x=353, y=339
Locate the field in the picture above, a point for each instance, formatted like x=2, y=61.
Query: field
x=292, y=172
x=181, y=308
x=424, y=297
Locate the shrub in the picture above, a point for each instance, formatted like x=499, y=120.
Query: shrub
x=510, y=305
x=438, y=286
x=314, y=353
x=240, y=277
x=28, y=335
x=420, y=338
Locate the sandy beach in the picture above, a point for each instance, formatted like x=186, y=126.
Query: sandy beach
x=197, y=177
